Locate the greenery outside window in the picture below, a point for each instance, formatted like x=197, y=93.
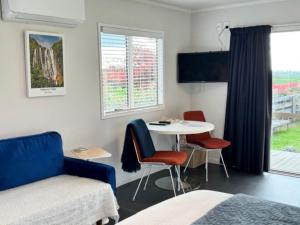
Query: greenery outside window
x=131, y=64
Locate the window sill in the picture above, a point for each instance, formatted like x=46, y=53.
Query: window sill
x=132, y=112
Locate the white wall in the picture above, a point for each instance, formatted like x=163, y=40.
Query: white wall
x=212, y=97
x=77, y=115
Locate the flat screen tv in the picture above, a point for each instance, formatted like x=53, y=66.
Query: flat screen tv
x=202, y=67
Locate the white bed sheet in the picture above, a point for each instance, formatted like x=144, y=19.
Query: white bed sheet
x=181, y=210
x=67, y=200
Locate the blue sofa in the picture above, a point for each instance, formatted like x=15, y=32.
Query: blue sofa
x=24, y=160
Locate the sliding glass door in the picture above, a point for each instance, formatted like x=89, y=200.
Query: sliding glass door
x=285, y=148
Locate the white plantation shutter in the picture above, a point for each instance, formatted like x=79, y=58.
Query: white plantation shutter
x=131, y=70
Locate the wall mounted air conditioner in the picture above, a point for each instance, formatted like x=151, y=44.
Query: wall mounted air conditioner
x=67, y=13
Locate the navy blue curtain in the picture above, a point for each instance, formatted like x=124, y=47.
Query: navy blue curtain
x=249, y=100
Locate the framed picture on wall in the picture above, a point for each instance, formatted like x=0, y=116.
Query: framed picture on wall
x=44, y=64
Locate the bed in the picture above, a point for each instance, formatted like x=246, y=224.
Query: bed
x=189, y=206
x=216, y=208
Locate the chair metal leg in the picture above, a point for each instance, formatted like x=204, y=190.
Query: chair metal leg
x=172, y=181
x=138, y=187
x=178, y=150
x=189, y=160
x=206, y=166
x=145, y=186
x=223, y=163
x=180, y=182
x=178, y=178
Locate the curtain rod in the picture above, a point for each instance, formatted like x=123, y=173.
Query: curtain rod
x=275, y=27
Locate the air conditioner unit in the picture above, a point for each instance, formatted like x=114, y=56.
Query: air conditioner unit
x=67, y=13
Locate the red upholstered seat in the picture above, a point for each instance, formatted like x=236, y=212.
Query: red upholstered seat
x=204, y=139
x=167, y=157
x=213, y=143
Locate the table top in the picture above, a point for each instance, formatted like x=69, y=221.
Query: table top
x=182, y=127
x=88, y=154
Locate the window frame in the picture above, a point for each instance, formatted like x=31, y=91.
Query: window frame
x=131, y=111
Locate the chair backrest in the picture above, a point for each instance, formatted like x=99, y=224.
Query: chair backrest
x=195, y=116
x=142, y=140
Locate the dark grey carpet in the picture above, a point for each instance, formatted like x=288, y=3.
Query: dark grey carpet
x=268, y=186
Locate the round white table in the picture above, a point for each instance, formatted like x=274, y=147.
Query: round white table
x=182, y=127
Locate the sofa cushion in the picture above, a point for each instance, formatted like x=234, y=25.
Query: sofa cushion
x=61, y=199
x=27, y=159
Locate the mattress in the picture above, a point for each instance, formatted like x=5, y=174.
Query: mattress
x=62, y=199
x=180, y=210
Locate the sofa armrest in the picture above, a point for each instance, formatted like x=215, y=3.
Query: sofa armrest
x=93, y=170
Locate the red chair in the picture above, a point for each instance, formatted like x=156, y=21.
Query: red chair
x=204, y=141
x=165, y=159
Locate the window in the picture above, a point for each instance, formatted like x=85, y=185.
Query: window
x=285, y=148
x=131, y=70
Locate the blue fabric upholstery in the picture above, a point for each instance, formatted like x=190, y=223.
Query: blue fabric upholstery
x=27, y=159
x=91, y=170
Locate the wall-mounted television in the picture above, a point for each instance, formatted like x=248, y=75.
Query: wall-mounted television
x=202, y=67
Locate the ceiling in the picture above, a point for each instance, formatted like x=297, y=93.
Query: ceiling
x=195, y=5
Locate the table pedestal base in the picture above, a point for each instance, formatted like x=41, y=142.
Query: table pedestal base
x=166, y=184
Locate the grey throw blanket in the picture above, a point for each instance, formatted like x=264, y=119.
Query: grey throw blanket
x=245, y=210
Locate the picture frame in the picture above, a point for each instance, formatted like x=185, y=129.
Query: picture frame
x=44, y=53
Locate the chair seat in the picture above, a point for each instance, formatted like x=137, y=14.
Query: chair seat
x=213, y=143
x=167, y=157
